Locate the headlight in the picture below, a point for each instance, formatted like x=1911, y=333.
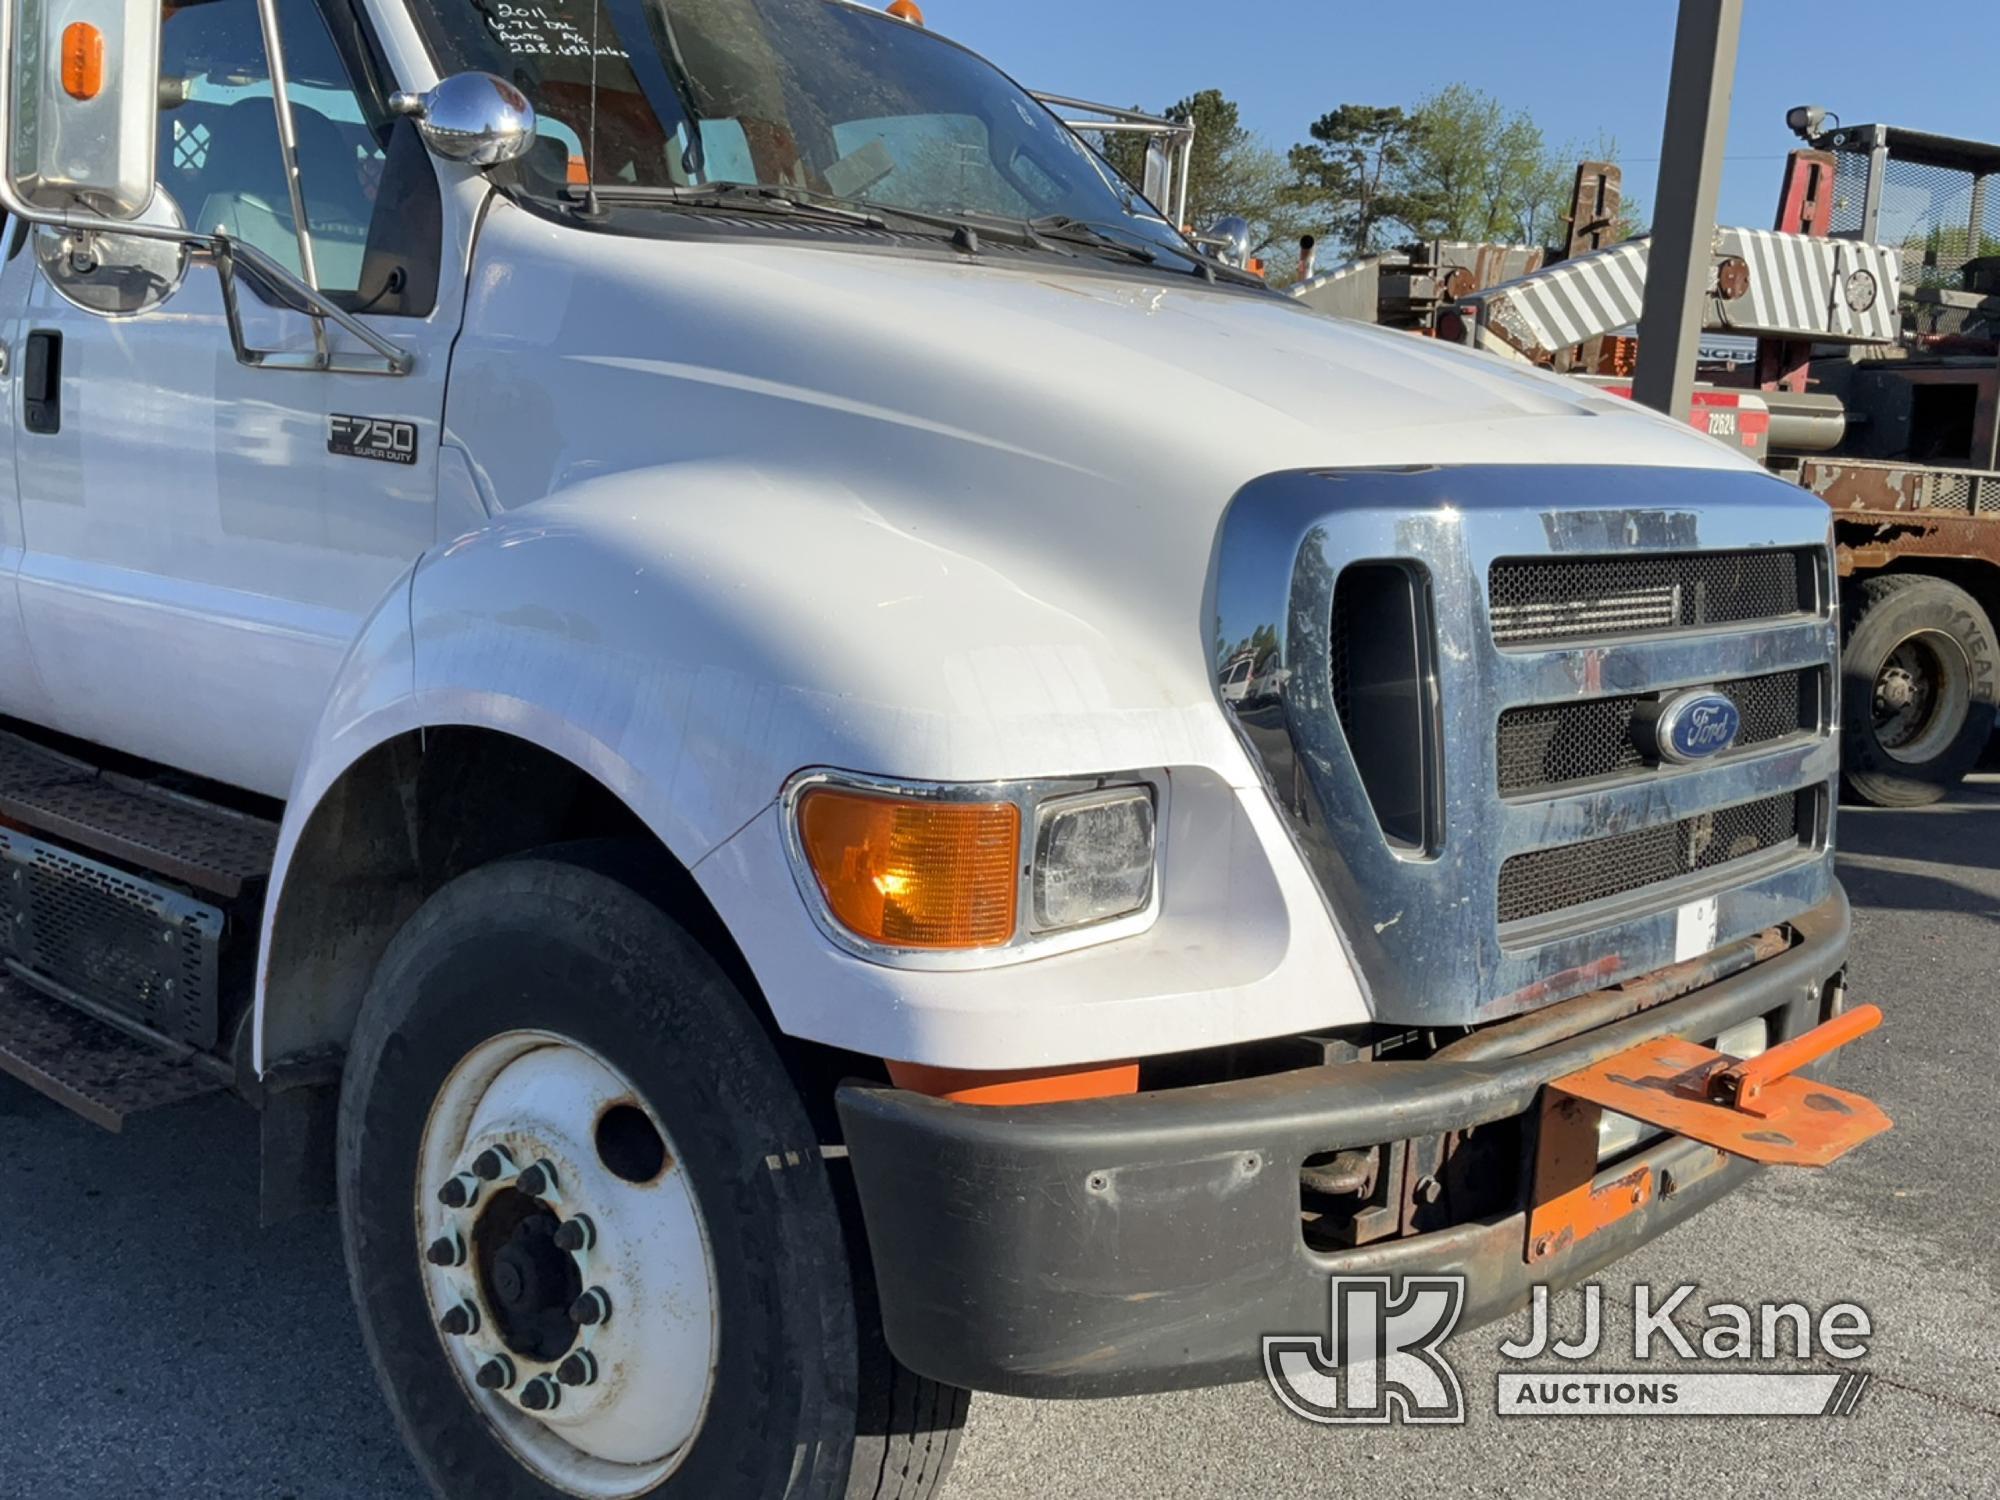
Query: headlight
x=936, y=875
x=1093, y=858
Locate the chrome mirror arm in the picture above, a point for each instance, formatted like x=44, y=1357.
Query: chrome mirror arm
x=225, y=252
x=288, y=152
x=222, y=250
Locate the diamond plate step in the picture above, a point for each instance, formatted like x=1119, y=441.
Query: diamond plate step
x=214, y=849
x=102, y=1073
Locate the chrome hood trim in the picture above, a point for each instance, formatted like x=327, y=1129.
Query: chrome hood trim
x=1423, y=927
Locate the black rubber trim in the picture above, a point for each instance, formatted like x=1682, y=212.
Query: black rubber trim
x=1145, y=1243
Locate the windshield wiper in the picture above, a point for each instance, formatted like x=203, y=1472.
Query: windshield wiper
x=967, y=228
x=1063, y=228
x=739, y=197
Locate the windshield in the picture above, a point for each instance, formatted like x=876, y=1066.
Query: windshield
x=818, y=97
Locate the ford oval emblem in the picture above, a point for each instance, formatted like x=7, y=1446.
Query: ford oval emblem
x=1695, y=726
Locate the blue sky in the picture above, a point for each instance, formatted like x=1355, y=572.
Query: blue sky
x=1580, y=67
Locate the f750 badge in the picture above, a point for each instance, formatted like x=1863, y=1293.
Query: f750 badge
x=381, y=438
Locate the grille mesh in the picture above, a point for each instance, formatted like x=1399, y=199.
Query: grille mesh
x=1554, y=599
x=1551, y=880
x=1557, y=744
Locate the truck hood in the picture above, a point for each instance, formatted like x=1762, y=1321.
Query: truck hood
x=1013, y=470
x=1090, y=371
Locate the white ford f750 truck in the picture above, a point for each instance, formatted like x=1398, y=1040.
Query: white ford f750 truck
x=810, y=765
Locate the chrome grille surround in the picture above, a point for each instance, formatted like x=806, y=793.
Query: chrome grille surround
x=1424, y=929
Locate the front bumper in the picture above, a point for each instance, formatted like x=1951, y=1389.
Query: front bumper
x=1146, y=1243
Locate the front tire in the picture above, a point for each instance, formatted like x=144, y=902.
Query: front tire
x=522, y=1008
x=1920, y=677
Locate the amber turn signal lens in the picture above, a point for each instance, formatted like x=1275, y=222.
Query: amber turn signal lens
x=82, y=60
x=912, y=873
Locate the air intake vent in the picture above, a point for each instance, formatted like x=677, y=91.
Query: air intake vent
x=1552, y=880
x=1384, y=685
x=1537, y=600
x=1554, y=745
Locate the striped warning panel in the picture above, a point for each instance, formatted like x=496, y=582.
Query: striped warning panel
x=1798, y=286
x=1842, y=289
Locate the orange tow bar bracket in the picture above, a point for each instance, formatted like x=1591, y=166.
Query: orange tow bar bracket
x=1755, y=1108
x=1744, y=1084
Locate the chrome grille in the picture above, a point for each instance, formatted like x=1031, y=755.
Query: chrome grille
x=1553, y=745
x=1552, y=880
x=1563, y=862
x=1536, y=600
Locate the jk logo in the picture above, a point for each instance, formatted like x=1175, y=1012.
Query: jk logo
x=1379, y=1360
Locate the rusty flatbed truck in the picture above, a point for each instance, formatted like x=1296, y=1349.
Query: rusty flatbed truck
x=1914, y=480
x=1874, y=304
x=809, y=764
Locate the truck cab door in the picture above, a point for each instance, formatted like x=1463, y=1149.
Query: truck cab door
x=21, y=692
x=204, y=537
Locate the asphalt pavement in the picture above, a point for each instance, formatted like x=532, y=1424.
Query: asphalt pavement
x=156, y=1342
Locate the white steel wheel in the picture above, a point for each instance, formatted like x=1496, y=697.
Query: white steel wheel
x=567, y=1142
x=567, y=1264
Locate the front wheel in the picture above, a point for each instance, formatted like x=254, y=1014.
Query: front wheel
x=1920, y=676
x=592, y=1241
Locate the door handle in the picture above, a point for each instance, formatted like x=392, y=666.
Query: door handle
x=41, y=381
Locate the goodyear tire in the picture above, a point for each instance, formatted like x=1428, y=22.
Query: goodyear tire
x=1920, y=678
x=524, y=1009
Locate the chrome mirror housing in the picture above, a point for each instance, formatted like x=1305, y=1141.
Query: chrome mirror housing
x=82, y=104
x=472, y=118
x=1229, y=237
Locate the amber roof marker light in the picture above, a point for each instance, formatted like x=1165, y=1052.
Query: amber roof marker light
x=907, y=10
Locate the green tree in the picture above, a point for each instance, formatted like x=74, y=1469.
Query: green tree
x=1232, y=171
x=1480, y=172
x=1349, y=179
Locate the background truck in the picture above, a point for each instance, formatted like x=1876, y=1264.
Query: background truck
x=809, y=764
x=1867, y=370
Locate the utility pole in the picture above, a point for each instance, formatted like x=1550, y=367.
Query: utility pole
x=1677, y=269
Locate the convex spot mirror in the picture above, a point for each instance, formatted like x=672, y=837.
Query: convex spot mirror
x=115, y=274
x=472, y=118
x=84, y=87
x=1229, y=237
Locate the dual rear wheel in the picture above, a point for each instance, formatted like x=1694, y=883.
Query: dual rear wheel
x=1920, y=678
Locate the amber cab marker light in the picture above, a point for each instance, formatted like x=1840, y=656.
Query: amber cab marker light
x=914, y=872
x=907, y=10
x=82, y=60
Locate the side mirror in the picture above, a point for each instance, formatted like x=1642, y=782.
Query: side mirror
x=473, y=118
x=84, y=85
x=1229, y=237
x=116, y=274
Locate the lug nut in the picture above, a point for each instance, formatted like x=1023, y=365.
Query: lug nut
x=460, y=1320
x=497, y=1374
x=492, y=1164
x=541, y=1394
x=539, y=1180
x=576, y=1234
x=460, y=1192
x=594, y=1306
x=447, y=1250
x=580, y=1368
